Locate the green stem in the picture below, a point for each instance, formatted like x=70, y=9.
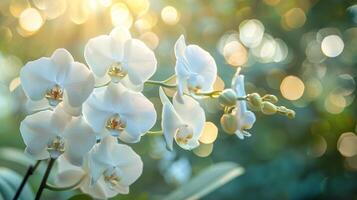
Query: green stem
x=30, y=171
x=56, y=188
x=160, y=83
x=242, y=98
x=160, y=132
x=169, y=79
x=44, y=179
x=213, y=94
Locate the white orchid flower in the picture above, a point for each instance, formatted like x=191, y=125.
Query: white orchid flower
x=57, y=78
x=109, y=169
x=182, y=121
x=68, y=175
x=245, y=118
x=195, y=68
x=114, y=165
x=119, y=57
x=50, y=133
x=120, y=112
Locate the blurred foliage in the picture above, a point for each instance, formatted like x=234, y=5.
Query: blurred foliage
x=305, y=158
x=9, y=181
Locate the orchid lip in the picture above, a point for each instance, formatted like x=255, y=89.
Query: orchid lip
x=195, y=83
x=111, y=177
x=184, y=134
x=116, y=72
x=54, y=95
x=56, y=146
x=116, y=123
x=195, y=89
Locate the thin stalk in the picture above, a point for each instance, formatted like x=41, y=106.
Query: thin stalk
x=44, y=179
x=31, y=169
x=160, y=83
x=169, y=79
x=160, y=132
x=242, y=98
x=213, y=94
x=56, y=188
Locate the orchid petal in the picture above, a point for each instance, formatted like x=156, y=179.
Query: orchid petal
x=100, y=157
x=96, y=191
x=248, y=119
x=37, y=131
x=98, y=56
x=78, y=84
x=127, y=162
x=63, y=60
x=96, y=110
x=37, y=77
x=191, y=113
x=67, y=174
x=79, y=139
x=180, y=46
x=138, y=112
x=139, y=61
x=119, y=36
x=170, y=120
x=202, y=63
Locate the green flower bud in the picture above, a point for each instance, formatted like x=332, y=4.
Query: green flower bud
x=227, y=98
x=229, y=123
x=255, y=100
x=268, y=108
x=271, y=98
x=253, y=108
x=290, y=114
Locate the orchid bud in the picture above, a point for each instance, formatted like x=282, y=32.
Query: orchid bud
x=271, y=98
x=255, y=100
x=227, y=98
x=268, y=108
x=290, y=114
x=229, y=123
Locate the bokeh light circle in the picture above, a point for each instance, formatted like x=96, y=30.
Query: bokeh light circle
x=332, y=45
x=30, y=20
x=292, y=88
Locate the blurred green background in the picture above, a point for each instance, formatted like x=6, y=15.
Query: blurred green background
x=303, y=51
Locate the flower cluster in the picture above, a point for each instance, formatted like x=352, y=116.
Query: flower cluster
x=91, y=114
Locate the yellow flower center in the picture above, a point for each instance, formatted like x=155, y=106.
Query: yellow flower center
x=194, y=83
x=54, y=95
x=195, y=89
x=116, y=123
x=113, y=180
x=56, y=146
x=111, y=177
x=183, y=134
x=116, y=72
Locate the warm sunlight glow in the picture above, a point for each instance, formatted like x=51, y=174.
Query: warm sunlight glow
x=121, y=15
x=30, y=20
x=170, y=15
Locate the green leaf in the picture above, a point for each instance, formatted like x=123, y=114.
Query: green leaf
x=207, y=181
x=6, y=192
x=14, y=155
x=81, y=197
x=9, y=183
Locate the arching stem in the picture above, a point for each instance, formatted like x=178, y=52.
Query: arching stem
x=56, y=188
x=160, y=132
x=44, y=179
x=160, y=83
x=31, y=169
